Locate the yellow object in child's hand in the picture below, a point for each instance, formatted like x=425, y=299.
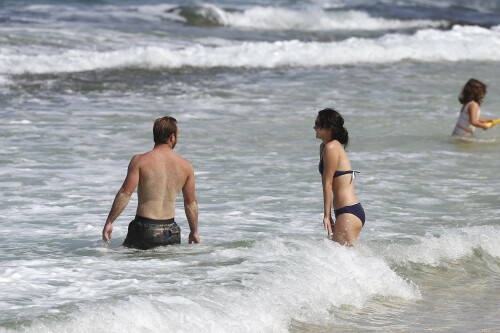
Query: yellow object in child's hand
x=494, y=122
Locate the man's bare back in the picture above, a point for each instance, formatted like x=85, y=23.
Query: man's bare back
x=159, y=175
x=162, y=175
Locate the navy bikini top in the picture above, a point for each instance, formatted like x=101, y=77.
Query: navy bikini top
x=337, y=173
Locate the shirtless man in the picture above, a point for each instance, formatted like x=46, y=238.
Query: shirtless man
x=160, y=174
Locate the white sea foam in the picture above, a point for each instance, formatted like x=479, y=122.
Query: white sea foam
x=462, y=43
x=308, y=19
x=451, y=245
x=243, y=290
x=23, y=121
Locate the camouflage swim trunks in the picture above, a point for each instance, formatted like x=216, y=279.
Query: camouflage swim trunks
x=144, y=233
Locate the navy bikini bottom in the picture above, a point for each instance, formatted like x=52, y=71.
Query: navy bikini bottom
x=355, y=209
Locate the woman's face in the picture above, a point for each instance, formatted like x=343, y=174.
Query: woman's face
x=321, y=133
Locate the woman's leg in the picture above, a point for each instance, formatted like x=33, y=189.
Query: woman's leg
x=346, y=229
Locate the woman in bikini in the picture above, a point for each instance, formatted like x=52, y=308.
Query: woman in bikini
x=337, y=176
x=471, y=97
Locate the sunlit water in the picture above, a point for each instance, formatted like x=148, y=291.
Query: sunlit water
x=81, y=85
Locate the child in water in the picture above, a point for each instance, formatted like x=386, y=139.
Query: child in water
x=471, y=97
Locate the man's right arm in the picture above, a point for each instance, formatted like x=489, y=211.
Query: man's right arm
x=191, y=206
x=122, y=197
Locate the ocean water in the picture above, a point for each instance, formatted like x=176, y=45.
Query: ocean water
x=81, y=83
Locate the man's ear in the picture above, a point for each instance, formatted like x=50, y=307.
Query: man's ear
x=171, y=138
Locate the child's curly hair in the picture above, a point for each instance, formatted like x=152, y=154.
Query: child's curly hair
x=474, y=90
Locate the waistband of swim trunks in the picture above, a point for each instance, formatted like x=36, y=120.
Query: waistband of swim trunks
x=139, y=218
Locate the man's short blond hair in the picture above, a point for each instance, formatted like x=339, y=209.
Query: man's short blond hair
x=163, y=128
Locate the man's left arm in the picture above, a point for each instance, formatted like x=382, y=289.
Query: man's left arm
x=191, y=206
x=122, y=197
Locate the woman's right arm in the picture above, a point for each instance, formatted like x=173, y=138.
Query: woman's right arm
x=330, y=159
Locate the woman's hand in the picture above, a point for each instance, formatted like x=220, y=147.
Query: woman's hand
x=327, y=221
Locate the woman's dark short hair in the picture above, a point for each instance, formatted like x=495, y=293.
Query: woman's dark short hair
x=330, y=119
x=163, y=129
x=474, y=90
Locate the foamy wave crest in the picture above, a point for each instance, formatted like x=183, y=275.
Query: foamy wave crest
x=459, y=44
x=451, y=245
x=312, y=19
x=259, y=289
x=263, y=18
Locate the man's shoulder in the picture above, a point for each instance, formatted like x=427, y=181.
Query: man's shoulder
x=143, y=159
x=138, y=157
x=156, y=156
x=186, y=163
x=183, y=162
